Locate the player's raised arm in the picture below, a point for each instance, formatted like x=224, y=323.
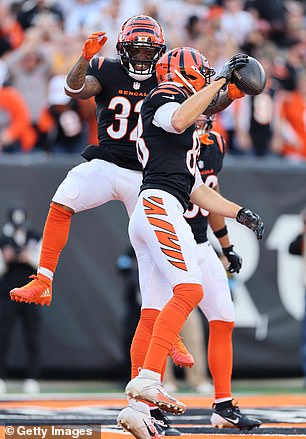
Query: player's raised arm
x=78, y=85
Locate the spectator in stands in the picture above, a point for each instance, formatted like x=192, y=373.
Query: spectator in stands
x=19, y=247
x=11, y=33
x=255, y=116
x=16, y=131
x=61, y=121
x=29, y=70
x=235, y=21
x=298, y=247
x=274, y=12
x=29, y=10
x=291, y=129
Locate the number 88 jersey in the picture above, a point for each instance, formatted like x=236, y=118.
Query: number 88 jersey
x=168, y=158
x=117, y=110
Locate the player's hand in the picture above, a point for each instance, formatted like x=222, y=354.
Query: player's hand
x=236, y=62
x=233, y=258
x=251, y=220
x=233, y=92
x=93, y=44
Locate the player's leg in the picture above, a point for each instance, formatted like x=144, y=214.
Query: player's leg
x=219, y=310
x=155, y=292
x=127, y=188
x=73, y=195
x=158, y=224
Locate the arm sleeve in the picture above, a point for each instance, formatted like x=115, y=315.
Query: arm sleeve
x=163, y=115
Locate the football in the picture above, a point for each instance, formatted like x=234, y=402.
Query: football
x=251, y=78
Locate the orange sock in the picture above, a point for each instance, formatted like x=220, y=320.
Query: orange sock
x=55, y=236
x=142, y=338
x=169, y=323
x=220, y=356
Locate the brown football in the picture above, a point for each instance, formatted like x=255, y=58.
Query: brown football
x=251, y=78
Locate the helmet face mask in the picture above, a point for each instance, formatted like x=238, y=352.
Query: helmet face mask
x=186, y=66
x=140, y=44
x=204, y=124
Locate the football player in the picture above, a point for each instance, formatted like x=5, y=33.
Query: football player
x=112, y=170
x=217, y=303
x=166, y=250
x=112, y=167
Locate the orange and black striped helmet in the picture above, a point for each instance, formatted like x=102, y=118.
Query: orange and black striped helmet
x=186, y=66
x=141, y=42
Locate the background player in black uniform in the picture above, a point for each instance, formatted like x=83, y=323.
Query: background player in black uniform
x=217, y=303
x=165, y=248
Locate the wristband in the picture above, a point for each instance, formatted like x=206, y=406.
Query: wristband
x=220, y=233
x=72, y=90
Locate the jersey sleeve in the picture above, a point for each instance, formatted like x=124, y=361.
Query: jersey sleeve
x=95, y=68
x=163, y=116
x=165, y=100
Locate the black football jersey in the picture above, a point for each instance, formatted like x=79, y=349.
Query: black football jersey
x=117, y=109
x=168, y=159
x=210, y=163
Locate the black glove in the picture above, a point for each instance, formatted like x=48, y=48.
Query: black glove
x=236, y=62
x=233, y=258
x=251, y=220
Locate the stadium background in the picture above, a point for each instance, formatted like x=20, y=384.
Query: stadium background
x=83, y=329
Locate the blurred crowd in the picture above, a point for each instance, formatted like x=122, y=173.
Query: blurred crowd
x=41, y=39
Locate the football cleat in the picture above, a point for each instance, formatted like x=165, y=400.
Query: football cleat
x=38, y=291
x=227, y=415
x=152, y=391
x=180, y=355
x=138, y=423
x=162, y=424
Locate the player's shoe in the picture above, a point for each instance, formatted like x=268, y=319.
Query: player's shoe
x=180, y=355
x=138, y=423
x=162, y=424
x=227, y=415
x=152, y=391
x=38, y=291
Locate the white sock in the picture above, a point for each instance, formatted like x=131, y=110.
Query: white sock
x=45, y=272
x=146, y=373
x=222, y=400
x=139, y=406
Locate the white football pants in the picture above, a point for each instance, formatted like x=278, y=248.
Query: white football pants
x=93, y=183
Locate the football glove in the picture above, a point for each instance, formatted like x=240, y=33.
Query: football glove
x=93, y=44
x=236, y=62
x=233, y=258
x=233, y=92
x=251, y=220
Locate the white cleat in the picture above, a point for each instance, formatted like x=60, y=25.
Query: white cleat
x=137, y=422
x=152, y=391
